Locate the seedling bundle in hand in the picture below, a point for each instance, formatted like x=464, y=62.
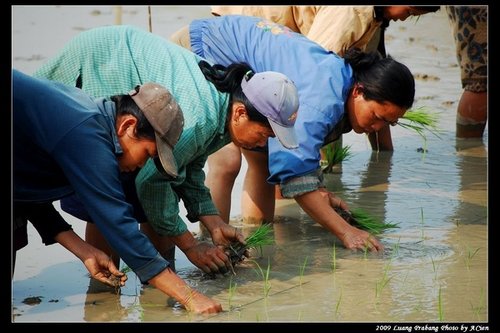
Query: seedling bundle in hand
x=260, y=237
x=419, y=120
x=361, y=219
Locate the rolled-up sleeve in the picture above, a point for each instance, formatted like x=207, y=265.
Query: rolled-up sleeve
x=299, y=185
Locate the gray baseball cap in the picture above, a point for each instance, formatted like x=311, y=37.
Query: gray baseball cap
x=165, y=115
x=275, y=96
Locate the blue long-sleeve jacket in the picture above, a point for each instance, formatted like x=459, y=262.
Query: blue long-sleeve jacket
x=65, y=141
x=322, y=78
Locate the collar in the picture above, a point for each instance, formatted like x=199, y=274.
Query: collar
x=108, y=110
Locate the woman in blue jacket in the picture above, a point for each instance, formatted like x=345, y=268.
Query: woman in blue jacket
x=361, y=92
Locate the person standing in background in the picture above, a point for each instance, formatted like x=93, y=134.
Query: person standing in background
x=469, y=28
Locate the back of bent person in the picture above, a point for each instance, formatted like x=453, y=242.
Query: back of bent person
x=65, y=142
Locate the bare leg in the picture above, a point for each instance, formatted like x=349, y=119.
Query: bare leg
x=472, y=114
x=94, y=237
x=257, y=199
x=161, y=243
x=223, y=168
x=381, y=140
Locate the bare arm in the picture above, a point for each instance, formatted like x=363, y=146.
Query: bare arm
x=221, y=232
x=207, y=257
x=318, y=204
x=98, y=263
x=171, y=284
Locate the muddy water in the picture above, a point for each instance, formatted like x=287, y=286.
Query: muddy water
x=434, y=267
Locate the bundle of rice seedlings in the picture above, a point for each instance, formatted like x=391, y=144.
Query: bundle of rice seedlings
x=361, y=219
x=420, y=120
x=259, y=237
x=334, y=154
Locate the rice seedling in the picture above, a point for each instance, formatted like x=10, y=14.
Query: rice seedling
x=334, y=154
x=477, y=310
x=434, y=268
x=380, y=285
x=337, y=304
x=469, y=255
x=265, y=276
x=420, y=120
x=359, y=218
x=440, y=306
x=395, y=249
x=302, y=269
x=260, y=237
x=334, y=258
x=422, y=222
x=231, y=291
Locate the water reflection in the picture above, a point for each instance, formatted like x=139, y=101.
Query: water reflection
x=472, y=164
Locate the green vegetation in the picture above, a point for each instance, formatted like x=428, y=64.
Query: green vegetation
x=422, y=221
x=334, y=258
x=302, y=268
x=334, y=154
x=440, y=306
x=260, y=237
x=232, y=291
x=420, y=120
x=380, y=285
x=337, y=304
x=265, y=277
x=361, y=219
x=477, y=310
x=470, y=254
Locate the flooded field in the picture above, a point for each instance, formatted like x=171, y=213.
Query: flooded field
x=435, y=265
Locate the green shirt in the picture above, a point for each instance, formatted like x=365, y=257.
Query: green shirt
x=111, y=60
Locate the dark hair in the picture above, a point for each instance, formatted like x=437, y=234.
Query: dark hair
x=382, y=79
x=228, y=79
x=126, y=105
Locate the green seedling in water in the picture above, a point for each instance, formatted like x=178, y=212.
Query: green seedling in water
x=440, y=306
x=380, y=285
x=260, y=237
x=422, y=221
x=337, y=305
x=302, y=269
x=334, y=154
x=470, y=254
x=395, y=249
x=334, y=258
x=265, y=276
x=361, y=219
x=231, y=291
x=434, y=268
x=477, y=310
x=420, y=120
